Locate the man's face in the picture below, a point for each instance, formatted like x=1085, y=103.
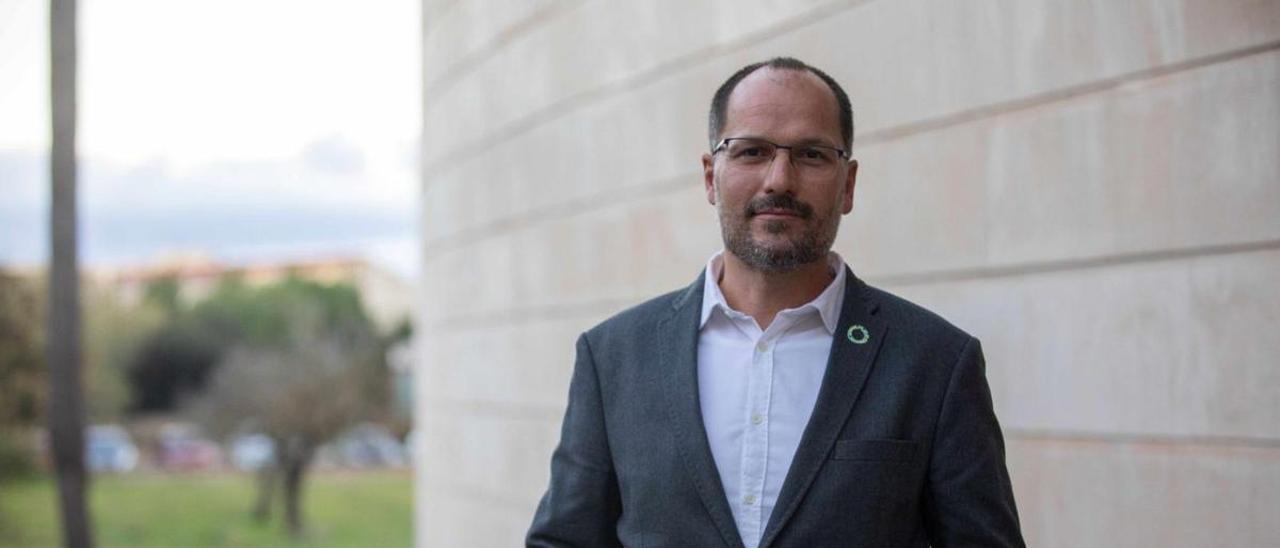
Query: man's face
x=779, y=215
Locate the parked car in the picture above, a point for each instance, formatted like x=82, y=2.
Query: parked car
x=108, y=448
x=365, y=446
x=252, y=452
x=184, y=450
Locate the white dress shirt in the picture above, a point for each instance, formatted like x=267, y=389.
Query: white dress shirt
x=758, y=388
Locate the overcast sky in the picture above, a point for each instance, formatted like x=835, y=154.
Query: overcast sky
x=246, y=129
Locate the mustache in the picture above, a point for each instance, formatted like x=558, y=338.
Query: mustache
x=782, y=202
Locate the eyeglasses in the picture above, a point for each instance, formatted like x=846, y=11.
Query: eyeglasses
x=750, y=153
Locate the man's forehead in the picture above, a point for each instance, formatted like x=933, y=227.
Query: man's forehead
x=785, y=77
x=770, y=93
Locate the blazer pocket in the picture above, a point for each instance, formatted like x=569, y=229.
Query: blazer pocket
x=875, y=450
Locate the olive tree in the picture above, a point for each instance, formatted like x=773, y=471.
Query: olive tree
x=320, y=371
x=300, y=397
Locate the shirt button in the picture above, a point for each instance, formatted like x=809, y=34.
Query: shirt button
x=749, y=499
x=756, y=419
x=762, y=347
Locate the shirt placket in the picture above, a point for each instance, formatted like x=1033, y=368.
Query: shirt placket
x=755, y=451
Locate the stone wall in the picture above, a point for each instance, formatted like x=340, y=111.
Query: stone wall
x=1090, y=187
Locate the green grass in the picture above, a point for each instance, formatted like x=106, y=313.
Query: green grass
x=174, y=511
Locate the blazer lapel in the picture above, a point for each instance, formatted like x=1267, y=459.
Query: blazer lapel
x=853, y=350
x=679, y=357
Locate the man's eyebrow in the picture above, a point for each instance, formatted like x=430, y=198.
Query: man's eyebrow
x=747, y=136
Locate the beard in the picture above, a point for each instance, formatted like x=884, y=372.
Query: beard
x=811, y=244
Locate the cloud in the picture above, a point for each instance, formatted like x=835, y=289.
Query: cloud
x=132, y=213
x=323, y=175
x=334, y=155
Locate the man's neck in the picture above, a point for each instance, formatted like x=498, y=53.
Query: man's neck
x=762, y=295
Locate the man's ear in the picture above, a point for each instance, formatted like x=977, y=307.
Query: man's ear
x=850, y=181
x=709, y=177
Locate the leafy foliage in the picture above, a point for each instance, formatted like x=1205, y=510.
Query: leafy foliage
x=21, y=353
x=22, y=380
x=115, y=332
x=178, y=360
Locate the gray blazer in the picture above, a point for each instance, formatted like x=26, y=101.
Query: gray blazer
x=902, y=450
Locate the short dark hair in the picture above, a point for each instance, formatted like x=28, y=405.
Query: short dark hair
x=720, y=102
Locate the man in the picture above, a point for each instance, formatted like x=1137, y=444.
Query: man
x=778, y=400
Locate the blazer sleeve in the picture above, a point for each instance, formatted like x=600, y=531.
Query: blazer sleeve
x=581, y=506
x=969, y=498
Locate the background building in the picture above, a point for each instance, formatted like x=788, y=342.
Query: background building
x=1091, y=188
x=386, y=298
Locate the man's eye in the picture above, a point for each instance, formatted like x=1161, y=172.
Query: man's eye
x=812, y=154
x=752, y=151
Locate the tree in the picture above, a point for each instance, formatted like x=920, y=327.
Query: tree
x=176, y=361
x=301, y=386
x=163, y=293
x=297, y=361
x=301, y=397
x=173, y=362
x=22, y=377
x=115, y=333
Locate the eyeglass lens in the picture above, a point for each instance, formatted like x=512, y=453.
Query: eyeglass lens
x=751, y=153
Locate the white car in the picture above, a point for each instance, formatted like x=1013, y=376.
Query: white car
x=252, y=452
x=108, y=448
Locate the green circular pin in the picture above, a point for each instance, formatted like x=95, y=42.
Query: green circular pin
x=858, y=334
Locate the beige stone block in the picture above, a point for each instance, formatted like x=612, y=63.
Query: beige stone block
x=525, y=362
x=1179, y=161
x=592, y=47
x=1121, y=494
x=614, y=150
x=458, y=35
x=906, y=62
x=446, y=521
x=1181, y=347
x=903, y=62
x=436, y=8
x=489, y=452
x=615, y=255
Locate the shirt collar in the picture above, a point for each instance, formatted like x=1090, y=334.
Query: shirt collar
x=826, y=303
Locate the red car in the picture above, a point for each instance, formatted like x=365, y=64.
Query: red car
x=187, y=454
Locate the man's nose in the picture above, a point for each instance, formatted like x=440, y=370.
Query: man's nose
x=781, y=176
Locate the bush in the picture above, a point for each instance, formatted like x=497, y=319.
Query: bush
x=16, y=455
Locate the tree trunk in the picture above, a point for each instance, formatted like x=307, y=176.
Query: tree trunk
x=294, y=474
x=267, y=480
x=66, y=405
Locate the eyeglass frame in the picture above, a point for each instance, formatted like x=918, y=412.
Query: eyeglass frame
x=724, y=145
